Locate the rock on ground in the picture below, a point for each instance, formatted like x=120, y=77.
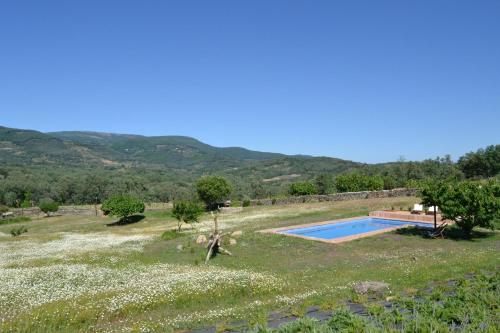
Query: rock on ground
x=236, y=233
x=201, y=239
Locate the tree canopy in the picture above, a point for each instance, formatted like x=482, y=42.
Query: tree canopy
x=213, y=190
x=304, y=188
x=186, y=212
x=122, y=206
x=472, y=204
x=48, y=206
x=482, y=163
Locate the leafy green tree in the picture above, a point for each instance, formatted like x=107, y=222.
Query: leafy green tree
x=48, y=206
x=304, y=188
x=122, y=206
x=325, y=184
x=213, y=190
x=482, y=163
x=472, y=204
x=186, y=212
x=432, y=194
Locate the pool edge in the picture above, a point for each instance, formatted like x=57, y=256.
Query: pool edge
x=277, y=231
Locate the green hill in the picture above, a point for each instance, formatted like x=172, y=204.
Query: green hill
x=162, y=165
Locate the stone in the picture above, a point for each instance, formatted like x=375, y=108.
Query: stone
x=371, y=286
x=232, y=241
x=179, y=247
x=201, y=239
x=236, y=234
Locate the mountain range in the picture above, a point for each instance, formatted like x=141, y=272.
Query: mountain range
x=74, y=149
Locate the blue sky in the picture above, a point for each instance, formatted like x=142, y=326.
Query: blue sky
x=361, y=80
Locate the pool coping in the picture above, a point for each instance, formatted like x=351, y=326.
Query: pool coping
x=277, y=231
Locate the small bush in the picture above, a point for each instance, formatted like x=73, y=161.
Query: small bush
x=186, y=212
x=305, y=188
x=48, y=206
x=18, y=231
x=3, y=209
x=246, y=203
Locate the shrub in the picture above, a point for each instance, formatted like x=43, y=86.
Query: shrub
x=186, y=212
x=18, y=231
x=305, y=188
x=355, y=182
x=3, y=209
x=122, y=206
x=213, y=190
x=48, y=206
x=246, y=203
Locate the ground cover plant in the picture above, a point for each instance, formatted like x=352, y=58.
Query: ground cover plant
x=466, y=305
x=75, y=274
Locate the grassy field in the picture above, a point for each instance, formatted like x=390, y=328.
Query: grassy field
x=78, y=274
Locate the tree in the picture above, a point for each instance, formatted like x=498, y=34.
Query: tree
x=122, y=206
x=432, y=194
x=186, y=212
x=472, y=204
x=305, y=188
x=48, y=206
x=213, y=190
x=325, y=184
x=355, y=182
x=482, y=163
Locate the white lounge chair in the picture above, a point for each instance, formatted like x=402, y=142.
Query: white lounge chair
x=417, y=209
x=431, y=210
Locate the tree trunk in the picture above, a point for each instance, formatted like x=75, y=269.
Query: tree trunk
x=435, y=218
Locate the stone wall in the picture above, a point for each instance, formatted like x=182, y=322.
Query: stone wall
x=83, y=210
x=63, y=211
x=398, y=192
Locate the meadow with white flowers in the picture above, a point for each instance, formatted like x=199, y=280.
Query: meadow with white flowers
x=71, y=274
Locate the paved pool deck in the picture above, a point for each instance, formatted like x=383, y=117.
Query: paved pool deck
x=389, y=215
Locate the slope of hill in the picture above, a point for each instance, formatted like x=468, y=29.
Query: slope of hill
x=167, y=151
x=170, y=153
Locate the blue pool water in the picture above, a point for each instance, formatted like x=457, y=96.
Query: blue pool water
x=351, y=227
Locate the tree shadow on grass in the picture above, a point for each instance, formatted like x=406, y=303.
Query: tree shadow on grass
x=128, y=220
x=451, y=232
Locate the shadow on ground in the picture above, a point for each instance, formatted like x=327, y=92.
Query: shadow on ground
x=129, y=220
x=452, y=232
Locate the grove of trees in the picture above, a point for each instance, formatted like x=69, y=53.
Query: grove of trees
x=26, y=185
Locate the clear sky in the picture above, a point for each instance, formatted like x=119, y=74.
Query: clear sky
x=361, y=80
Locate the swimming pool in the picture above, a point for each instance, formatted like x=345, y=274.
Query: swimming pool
x=350, y=229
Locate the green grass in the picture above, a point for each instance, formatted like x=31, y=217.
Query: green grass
x=290, y=273
x=17, y=219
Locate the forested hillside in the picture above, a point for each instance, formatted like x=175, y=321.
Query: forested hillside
x=87, y=167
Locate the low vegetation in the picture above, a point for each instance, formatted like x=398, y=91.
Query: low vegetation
x=18, y=231
x=466, y=305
